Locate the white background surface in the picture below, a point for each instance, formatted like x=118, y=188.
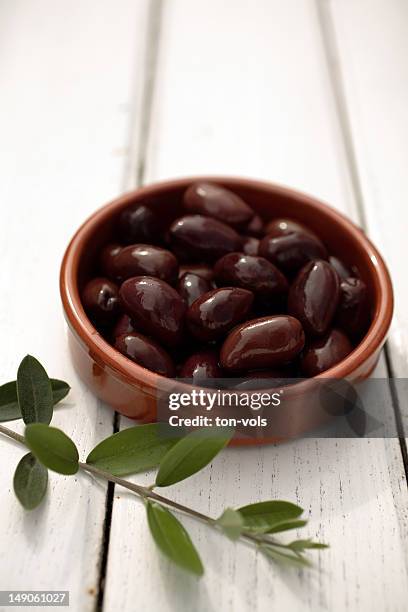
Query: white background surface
x=99, y=96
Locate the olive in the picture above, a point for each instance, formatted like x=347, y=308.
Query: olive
x=191, y=286
x=107, y=258
x=353, y=310
x=284, y=227
x=217, y=311
x=314, y=295
x=250, y=272
x=324, y=353
x=138, y=223
x=146, y=353
x=201, y=366
x=203, y=238
x=123, y=326
x=155, y=307
x=215, y=201
x=262, y=343
x=199, y=269
x=292, y=251
x=100, y=300
x=342, y=270
x=145, y=260
x=250, y=245
x=255, y=227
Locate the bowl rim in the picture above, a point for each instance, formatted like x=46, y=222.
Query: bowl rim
x=105, y=354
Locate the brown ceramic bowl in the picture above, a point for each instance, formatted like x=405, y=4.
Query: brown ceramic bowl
x=131, y=389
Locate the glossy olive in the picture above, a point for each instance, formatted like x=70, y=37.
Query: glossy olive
x=191, y=286
x=255, y=227
x=215, y=201
x=199, y=269
x=353, y=310
x=203, y=238
x=100, y=300
x=292, y=251
x=217, y=311
x=262, y=343
x=107, y=259
x=146, y=353
x=342, y=270
x=323, y=353
x=139, y=224
x=123, y=326
x=250, y=272
x=145, y=260
x=284, y=227
x=250, y=245
x=314, y=296
x=201, y=366
x=155, y=307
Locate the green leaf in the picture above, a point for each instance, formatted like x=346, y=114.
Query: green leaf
x=265, y=516
x=191, y=454
x=30, y=482
x=9, y=408
x=300, y=545
x=231, y=522
x=34, y=391
x=286, y=526
x=172, y=539
x=52, y=447
x=133, y=450
x=284, y=557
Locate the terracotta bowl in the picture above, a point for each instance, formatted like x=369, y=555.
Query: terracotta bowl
x=131, y=389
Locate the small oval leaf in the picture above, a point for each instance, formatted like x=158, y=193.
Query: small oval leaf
x=286, y=526
x=9, y=408
x=133, y=450
x=191, y=454
x=264, y=516
x=231, y=522
x=34, y=391
x=172, y=539
x=30, y=482
x=287, y=557
x=52, y=447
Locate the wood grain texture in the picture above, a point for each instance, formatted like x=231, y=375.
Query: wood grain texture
x=67, y=74
x=371, y=39
x=245, y=88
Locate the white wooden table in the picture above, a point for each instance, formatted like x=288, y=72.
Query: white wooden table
x=98, y=96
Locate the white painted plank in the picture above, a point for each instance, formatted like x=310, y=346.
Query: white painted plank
x=67, y=74
x=372, y=43
x=243, y=88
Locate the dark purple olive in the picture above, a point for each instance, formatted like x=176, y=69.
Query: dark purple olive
x=155, y=307
x=262, y=343
x=139, y=223
x=145, y=260
x=146, y=353
x=203, y=238
x=199, y=269
x=123, y=326
x=262, y=379
x=201, y=366
x=107, y=258
x=292, y=251
x=191, y=286
x=314, y=296
x=353, y=310
x=215, y=201
x=250, y=272
x=340, y=267
x=284, y=227
x=101, y=301
x=255, y=227
x=217, y=311
x=324, y=353
x=250, y=245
